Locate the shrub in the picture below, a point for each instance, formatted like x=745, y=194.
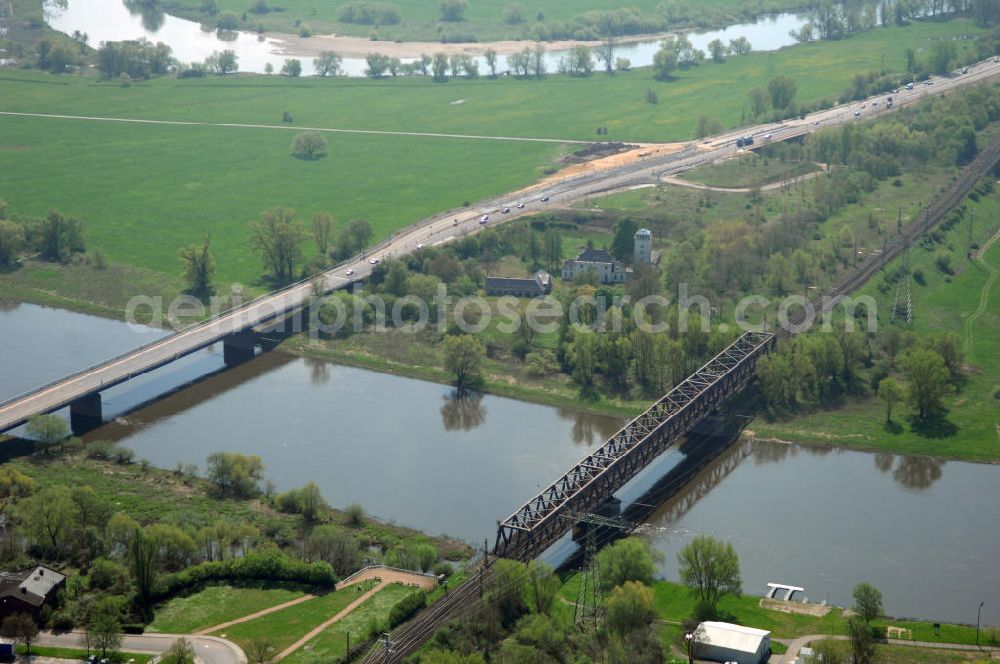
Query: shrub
x=406, y=607
x=369, y=13
x=227, y=21
x=305, y=30
x=355, y=514
x=61, y=622
x=261, y=566
x=310, y=145
x=919, y=277
x=943, y=262
x=259, y=7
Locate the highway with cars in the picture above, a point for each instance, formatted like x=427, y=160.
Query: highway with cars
x=453, y=224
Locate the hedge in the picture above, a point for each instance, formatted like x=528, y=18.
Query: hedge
x=406, y=607
x=267, y=566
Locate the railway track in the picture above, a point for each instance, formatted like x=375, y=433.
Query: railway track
x=408, y=638
x=932, y=215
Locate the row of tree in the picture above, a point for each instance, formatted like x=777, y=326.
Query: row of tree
x=54, y=237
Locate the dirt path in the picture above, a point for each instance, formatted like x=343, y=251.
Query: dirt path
x=322, y=626
x=376, y=132
x=258, y=614
x=673, y=179
x=386, y=574
x=984, y=294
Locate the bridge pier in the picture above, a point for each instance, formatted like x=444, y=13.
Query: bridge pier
x=713, y=425
x=85, y=413
x=238, y=347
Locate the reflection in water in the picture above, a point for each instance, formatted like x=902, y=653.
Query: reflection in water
x=884, y=461
x=918, y=473
x=152, y=16
x=912, y=472
x=7, y=305
x=319, y=370
x=463, y=410
x=588, y=428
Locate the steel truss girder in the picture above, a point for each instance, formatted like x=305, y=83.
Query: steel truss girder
x=535, y=525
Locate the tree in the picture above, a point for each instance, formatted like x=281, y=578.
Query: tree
x=60, y=237
x=541, y=586
x=311, y=502
x=11, y=241
x=261, y=650
x=20, y=627
x=513, y=13
x=327, y=64
x=142, y=562
x=338, y=548
x=782, y=91
x=623, y=243
x=665, y=61
x=867, y=602
x=629, y=559
x=606, y=54
x=440, y=67
x=278, y=239
x=222, y=63
x=630, y=608
x=199, y=267
x=943, y=54
x=292, y=67
x=740, y=46
x=309, y=145
x=377, y=64
x=47, y=430
x=707, y=126
x=182, y=652
x=354, y=237
x=322, y=231
x=580, y=62
x=927, y=376
x=537, y=60
x=889, y=391
x=234, y=474
x=453, y=10
x=711, y=569
x=718, y=50
x=227, y=21
x=104, y=629
x=49, y=518
x=491, y=61
x=463, y=357
x=862, y=645
x=758, y=101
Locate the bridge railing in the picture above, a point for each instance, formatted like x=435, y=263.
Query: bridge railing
x=528, y=519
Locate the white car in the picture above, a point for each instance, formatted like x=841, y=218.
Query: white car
x=373, y=261
x=768, y=136
x=420, y=245
x=483, y=219
x=349, y=272
x=520, y=206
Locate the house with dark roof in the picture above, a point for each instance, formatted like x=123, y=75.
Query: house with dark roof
x=600, y=262
x=538, y=285
x=28, y=590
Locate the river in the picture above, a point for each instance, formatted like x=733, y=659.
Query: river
x=110, y=20
x=921, y=530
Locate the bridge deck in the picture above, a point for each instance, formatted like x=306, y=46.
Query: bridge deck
x=537, y=524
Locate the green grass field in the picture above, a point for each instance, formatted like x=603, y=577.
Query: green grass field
x=144, y=190
x=560, y=107
x=332, y=642
x=674, y=603
x=215, y=605
x=285, y=627
x=75, y=653
x=944, y=304
x=747, y=171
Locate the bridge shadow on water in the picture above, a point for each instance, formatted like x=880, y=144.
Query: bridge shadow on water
x=710, y=452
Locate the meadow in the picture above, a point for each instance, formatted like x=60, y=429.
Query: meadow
x=943, y=303
x=146, y=190
x=556, y=107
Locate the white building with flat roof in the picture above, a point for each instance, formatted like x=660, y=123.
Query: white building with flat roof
x=725, y=642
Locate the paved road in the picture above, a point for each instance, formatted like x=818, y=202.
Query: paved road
x=209, y=649
x=448, y=226
x=792, y=656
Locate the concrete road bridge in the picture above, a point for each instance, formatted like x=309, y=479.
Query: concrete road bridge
x=81, y=391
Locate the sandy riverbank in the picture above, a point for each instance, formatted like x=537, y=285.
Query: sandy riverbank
x=359, y=47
